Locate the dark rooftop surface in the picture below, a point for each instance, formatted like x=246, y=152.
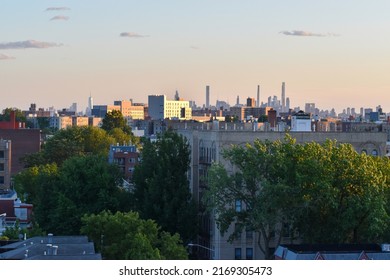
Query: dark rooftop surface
x=307, y=248
x=55, y=248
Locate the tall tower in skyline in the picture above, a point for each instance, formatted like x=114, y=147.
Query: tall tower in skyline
x=207, y=97
x=90, y=105
x=287, y=104
x=258, y=95
x=283, y=97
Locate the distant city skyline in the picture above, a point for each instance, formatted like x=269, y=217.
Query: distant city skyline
x=331, y=53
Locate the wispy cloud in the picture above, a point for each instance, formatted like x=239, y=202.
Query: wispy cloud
x=30, y=44
x=132, y=35
x=306, y=33
x=4, y=56
x=194, y=47
x=60, y=18
x=57, y=9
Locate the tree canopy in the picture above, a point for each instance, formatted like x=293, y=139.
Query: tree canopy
x=328, y=193
x=72, y=141
x=126, y=236
x=115, y=119
x=5, y=116
x=162, y=190
x=62, y=195
x=342, y=195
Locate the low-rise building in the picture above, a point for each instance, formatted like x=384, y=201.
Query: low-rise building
x=126, y=157
x=14, y=209
x=22, y=143
x=333, y=252
x=50, y=248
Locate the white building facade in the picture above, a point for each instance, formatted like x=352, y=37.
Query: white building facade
x=160, y=108
x=301, y=122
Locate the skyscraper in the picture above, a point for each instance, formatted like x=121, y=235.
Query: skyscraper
x=283, y=97
x=207, y=97
x=258, y=95
x=90, y=105
x=287, y=104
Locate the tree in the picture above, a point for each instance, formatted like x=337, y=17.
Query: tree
x=115, y=119
x=20, y=117
x=254, y=195
x=87, y=184
x=343, y=195
x=37, y=185
x=62, y=195
x=122, y=236
x=13, y=232
x=162, y=190
x=328, y=193
x=263, y=118
x=69, y=142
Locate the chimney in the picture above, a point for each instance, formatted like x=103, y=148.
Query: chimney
x=12, y=120
x=49, y=249
x=50, y=238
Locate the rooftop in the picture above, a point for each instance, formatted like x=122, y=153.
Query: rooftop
x=333, y=252
x=51, y=248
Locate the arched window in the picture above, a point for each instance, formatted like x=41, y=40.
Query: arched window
x=374, y=152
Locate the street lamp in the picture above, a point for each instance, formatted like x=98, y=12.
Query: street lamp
x=201, y=246
x=204, y=254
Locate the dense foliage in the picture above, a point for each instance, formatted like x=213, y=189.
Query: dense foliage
x=162, y=190
x=326, y=193
x=72, y=185
x=72, y=141
x=62, y=195
x=126, y=236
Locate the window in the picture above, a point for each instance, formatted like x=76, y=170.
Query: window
x=1, y=166
x=1, y=154
x=237, y=253
x=238, y=205
x=249, y=253
x=2, y=180
x=374, y=153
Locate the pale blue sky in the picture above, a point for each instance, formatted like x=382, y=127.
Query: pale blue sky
x=231, y=45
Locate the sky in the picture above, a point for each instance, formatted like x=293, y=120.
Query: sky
x=332, y=53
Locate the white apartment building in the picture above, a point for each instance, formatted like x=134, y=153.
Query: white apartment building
x=301, y=122
x=160, y=108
